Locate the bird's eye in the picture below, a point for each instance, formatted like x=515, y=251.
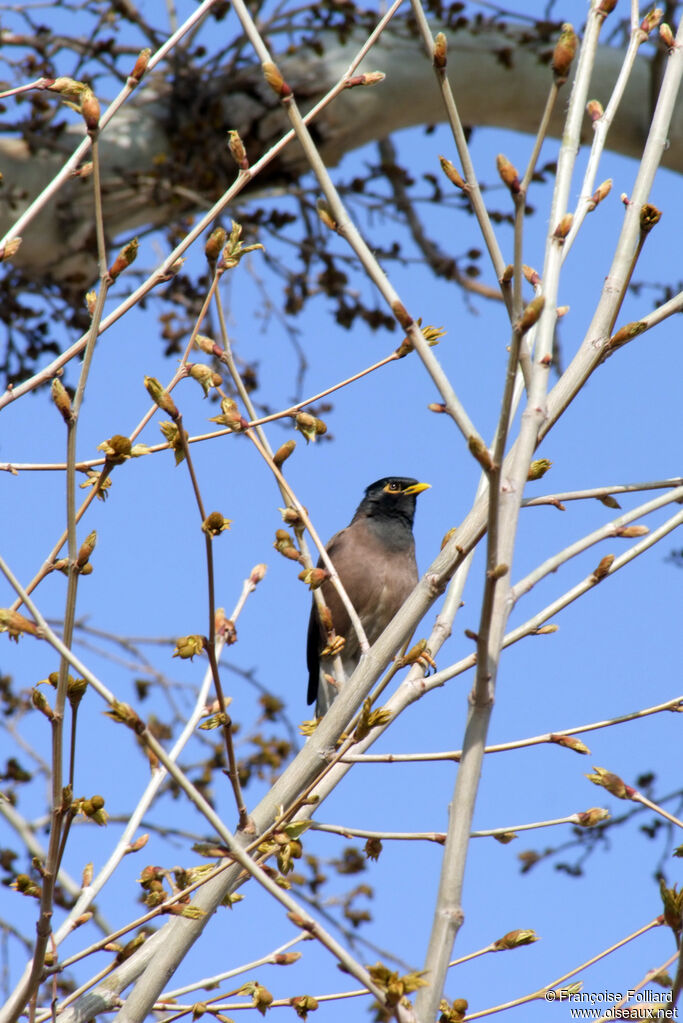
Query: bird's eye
x=392, y=487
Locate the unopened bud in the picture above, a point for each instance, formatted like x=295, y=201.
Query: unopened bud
x=283, y=452
x=602, y=568
x=508, y=173
x=564, y=53
x=600, y=193
x=285, y=545
x=161, y=397
x=451, y=173
x=564, y=227
x=273, y=76
x=86, y=549
x=440, y=50
x=480, y=451
x=8, y=250
x=206, y=344
x=124, y=259
x=236, y=147
x=60, y=397
x=367, y=78
x=666, y=35
x=90, y=108
x=594, y=109
x=538, y=469
x=589, y=818
x=140, y=66
x=530, y=314
x=257, y=573
x=649, y=216
x=325, y=214
x=214, y=244
x=626, y=334
x=514, y=939
x=629, y=532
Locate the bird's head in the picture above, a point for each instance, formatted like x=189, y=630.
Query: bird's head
x=392, y=497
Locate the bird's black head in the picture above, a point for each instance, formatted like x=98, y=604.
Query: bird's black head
x=391, y=498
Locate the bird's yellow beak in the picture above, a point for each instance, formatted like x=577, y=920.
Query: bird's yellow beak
x=417, y=488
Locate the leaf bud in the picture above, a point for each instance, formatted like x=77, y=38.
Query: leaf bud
x=86, y=549
x=139, y=67
x=651, y=20
x=482, y=454
x=589, y=818
x=90, y=108
x=207, y=345
x=602, y=568
x=161, y=397
x=508, y=174
x=612, y=782
x=600, y=193
x=214, y=244
x=594, y=109
x=325, y=214
x=649, y=216
x=9, y=248
x=451, y=173
x=126, y=256
x=629, y=532
x=570, y=742
x=564, y=53
x=314, y=577
x=15, y=623
x=237, y=150
x=273, y=76
x=310, y=427
x=366, y=78
x=204, y=376
x=60, y=397
x=283, y=452
x=187, y=647
x=626, y=334
x=39, y=701
x=285, y=545
x=538, y=469
x=440, y=50
x=564, y=227
x=667, y=36
x=514, y=939
x=214, y=524
x=530, y=314
x=531, y=275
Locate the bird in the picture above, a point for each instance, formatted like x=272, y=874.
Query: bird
x=374, y=558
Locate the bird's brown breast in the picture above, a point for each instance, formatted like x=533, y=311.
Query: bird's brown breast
x=379, y=580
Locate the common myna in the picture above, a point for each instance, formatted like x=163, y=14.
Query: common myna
x=375, y=560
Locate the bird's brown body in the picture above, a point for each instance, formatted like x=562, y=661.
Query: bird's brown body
x=375, y=560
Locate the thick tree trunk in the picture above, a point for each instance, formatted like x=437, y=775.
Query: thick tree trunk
x=166, y=153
